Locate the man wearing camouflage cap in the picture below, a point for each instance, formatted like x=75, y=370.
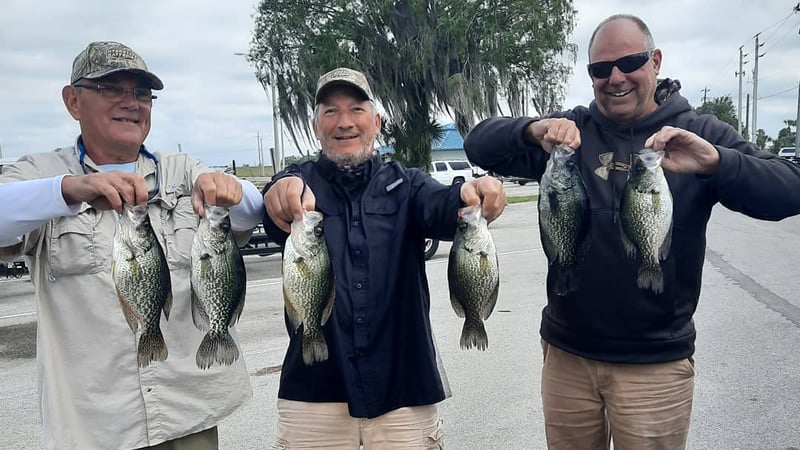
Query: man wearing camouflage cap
x=379, y=384
x=60, y=211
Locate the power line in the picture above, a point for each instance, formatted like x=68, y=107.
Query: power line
x=778, y=93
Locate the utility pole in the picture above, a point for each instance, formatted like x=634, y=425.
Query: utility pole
x=740, y=75
x=796, y=123
x=705, y=93
x=260, y=152
x=179, y=148
x=755, y=90
x=747, y=119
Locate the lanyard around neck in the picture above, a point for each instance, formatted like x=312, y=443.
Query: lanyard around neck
x=142, y=150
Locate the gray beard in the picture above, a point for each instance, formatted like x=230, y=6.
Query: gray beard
x=350, y=160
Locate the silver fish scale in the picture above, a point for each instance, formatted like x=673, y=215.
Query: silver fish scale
x=142, y=279
x=646, y=219
x=219, y=280
x=307, y=282
x=564, y=218
x=473, y=276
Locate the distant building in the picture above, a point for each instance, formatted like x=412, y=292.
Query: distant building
x=450, y=147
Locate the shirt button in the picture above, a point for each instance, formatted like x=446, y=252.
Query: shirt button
x=357, y=252
x=358, y=285
x=359, y=320
x=356, y=223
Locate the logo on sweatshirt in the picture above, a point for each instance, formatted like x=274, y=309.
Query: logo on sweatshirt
x=607, y=164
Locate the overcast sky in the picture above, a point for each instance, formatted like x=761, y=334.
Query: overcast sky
x=213, y=107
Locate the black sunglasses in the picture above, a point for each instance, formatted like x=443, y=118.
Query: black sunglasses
x=627, y=64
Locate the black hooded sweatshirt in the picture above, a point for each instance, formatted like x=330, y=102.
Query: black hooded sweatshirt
x=609, y=318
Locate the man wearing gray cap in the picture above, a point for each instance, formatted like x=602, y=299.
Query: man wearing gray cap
x=379, y=385
x=60, y=211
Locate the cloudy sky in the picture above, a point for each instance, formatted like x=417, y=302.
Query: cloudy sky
x=213, y=108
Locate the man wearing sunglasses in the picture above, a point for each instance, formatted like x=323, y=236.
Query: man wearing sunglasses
x=60, y=211
x=618, y=359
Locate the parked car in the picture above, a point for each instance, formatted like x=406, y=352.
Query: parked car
x=452, y=172
x=789, y=153
x=519, y=180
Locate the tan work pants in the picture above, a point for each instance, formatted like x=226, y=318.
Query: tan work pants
x=640, y=406
x=329, y=426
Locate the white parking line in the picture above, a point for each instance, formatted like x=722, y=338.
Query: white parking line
x=12, y=316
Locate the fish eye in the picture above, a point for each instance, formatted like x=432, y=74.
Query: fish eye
x=318, y=231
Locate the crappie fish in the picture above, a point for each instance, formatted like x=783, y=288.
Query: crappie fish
x=308, y=284
x=646, y=217
x=142, y=279
x=564, y=218
x=473, y=274
x=218, y=280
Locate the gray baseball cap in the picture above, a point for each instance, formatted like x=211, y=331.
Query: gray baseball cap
x=99, y=59
x=343, y=76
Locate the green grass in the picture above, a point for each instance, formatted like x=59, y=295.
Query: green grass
x=522, y=199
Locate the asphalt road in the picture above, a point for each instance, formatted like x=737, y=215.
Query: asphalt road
x=747, y=393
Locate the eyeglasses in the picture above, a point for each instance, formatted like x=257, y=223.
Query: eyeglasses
x=627, y=64
x=117, y=93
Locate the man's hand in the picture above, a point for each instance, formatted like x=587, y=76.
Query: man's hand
x=685, y=151
x=105, y=190
x=215, y=189
x=285, y=201
x=551, y=132
x=488, y=192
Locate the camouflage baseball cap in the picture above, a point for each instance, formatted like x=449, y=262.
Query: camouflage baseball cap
x=99, y=59
x=346, y=77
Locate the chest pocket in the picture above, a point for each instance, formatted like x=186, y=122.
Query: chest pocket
x=81, y=244
x=180, y=225
x=384, y=220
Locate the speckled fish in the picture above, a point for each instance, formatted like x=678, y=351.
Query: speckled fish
x=308, y=284
x=646, y=217
x=218, y=279
x=473, y=274
x=142, y=279
x=564, y=218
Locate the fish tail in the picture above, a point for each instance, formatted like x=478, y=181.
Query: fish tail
x=566, y=280
x=650, y=277
x=474, y=335
x=151, y=347
x=315, y=349
x=217, y=348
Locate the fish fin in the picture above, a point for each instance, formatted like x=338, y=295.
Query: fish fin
x=326, y=313
x=237, y=311
x=130, y=315
x=219, y=348
x=453, y=284
x=151, y=347
x=294, y=316
x=488, y=306
x=474, y=335
x=548, y=246
x=665, y=246
x=630, y=248
x=651, y=277
x=566, y=279
x=167, y=305
x=315, y=349
x=199, y=315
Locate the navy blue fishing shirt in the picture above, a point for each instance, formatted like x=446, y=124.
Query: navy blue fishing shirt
x=381, y=350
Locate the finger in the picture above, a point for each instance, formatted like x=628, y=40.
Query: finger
x=469, y=193
x=309, y=200
x=140, y=194
x=198, y=202
x=272, y=202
